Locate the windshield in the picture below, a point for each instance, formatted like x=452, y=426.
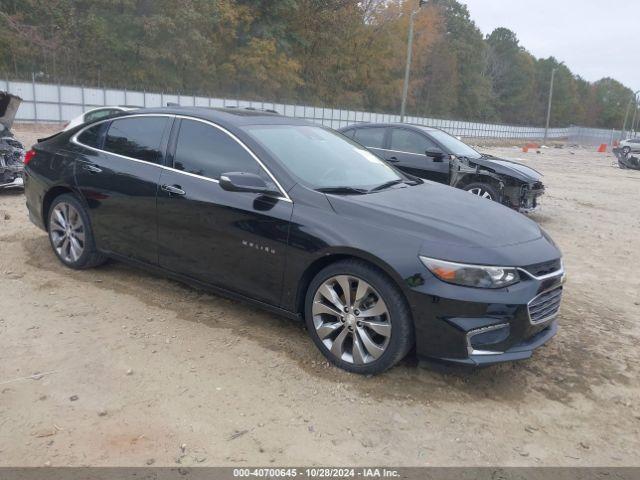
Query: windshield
x=322, y=158
x=455, y=146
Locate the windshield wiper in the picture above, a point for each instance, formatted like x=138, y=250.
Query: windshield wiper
x=387, y=185
x=345, y=190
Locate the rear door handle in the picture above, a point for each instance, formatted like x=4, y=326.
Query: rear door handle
x=173, y=189
x=393, y=159
x=92, y=168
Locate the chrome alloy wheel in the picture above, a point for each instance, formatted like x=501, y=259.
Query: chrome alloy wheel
x=67, y=232
x=480, y=192
x=351, y=319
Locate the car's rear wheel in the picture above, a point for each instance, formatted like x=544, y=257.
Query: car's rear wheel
x=70, y=234
x=483, y=190
x=626, y=150
x=358, y=318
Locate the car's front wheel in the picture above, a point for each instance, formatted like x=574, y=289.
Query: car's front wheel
x=70, y=233
x=626, y=150
x=483, y=190
x=358, y=318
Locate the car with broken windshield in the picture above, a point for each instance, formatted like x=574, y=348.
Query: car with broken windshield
x=435, y=155
x=300, y=220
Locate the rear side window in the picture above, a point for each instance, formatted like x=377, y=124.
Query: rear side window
x=209, y=152
x=410, y=142
x=370, y=137
x=94, y=136
x=138, y=138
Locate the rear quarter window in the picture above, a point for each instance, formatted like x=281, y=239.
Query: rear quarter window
x=94, y=136
x=370, y=137
x=137, y=137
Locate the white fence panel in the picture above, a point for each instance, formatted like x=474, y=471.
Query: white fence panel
x=59, y=103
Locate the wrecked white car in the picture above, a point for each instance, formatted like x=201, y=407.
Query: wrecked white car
x=11, y=150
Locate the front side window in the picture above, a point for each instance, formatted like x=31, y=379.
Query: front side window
x=404, y=140
x=209, y=152
x=137, y=137
x=370, y=137
x=322, y=158
x=94, y=136
x=453, y=145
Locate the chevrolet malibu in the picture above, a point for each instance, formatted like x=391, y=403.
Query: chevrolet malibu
x=302, y=221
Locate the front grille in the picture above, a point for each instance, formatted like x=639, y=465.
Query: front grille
x=545, y=305
x=544, y=268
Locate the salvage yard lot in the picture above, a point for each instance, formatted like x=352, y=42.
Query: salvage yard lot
x=115, y=366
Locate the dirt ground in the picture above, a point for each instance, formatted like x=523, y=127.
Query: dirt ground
x=115, y=366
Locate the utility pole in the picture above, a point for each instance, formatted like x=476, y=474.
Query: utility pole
x=635, y=112
x=546, y=128
x=407, y=68
x=626, y=115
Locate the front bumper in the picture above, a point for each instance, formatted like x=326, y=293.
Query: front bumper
x=16, y=182
x=482, y=327
x=525, y=198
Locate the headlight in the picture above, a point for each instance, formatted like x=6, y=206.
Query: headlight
x=472, y=275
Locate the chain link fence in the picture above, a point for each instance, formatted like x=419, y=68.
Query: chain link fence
x=54, y=103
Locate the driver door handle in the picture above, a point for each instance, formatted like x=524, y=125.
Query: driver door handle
x=92, y=168
x=393, y=159
x=173, y=189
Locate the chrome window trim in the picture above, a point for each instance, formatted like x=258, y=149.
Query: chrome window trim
x=400, y=151
x=75, y=140
x=478, y=331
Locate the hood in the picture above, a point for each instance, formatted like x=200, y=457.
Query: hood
x=451, y=224
x=509, y=167
x=438, y=213
x=8, y=108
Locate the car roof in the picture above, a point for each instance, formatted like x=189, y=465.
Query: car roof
x=234, y=117
x=391, y=124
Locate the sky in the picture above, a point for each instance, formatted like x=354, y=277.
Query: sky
x=594, y=38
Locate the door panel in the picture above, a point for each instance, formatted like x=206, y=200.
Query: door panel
x=117, y=174
x=233, y=240
x=121, y=195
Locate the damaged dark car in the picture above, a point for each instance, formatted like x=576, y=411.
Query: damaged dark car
x=433, y=154
x=12, y=152
x=627, y=158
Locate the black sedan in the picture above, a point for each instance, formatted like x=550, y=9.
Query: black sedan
x=300, y=220
x=435, y=155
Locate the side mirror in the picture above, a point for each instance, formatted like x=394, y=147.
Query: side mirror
x=435, y=153
x=245, y=182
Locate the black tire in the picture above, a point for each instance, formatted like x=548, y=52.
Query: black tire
x=626, y=150
x=89, y=257
x=484, y=188
x=401, y=338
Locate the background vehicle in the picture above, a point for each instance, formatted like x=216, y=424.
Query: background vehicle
x=95, y=114
x=627, y=159
x=11, y=150
x=630, y=145
x=435, y=155
x=300, y=220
